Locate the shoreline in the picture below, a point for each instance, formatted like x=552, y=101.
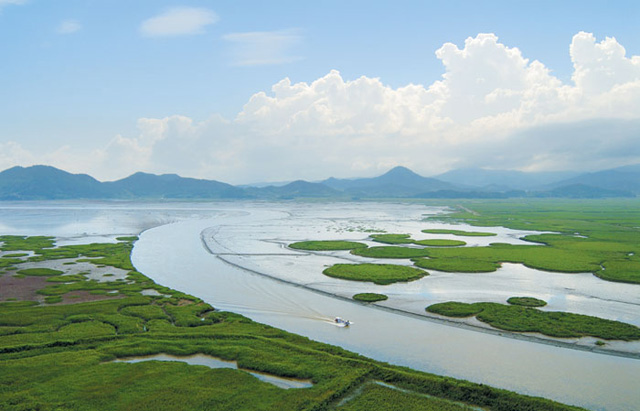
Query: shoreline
x=432, y=318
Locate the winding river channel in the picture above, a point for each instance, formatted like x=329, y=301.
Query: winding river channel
x=234, y=256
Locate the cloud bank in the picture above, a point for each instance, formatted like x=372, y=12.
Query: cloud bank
x=493, y=107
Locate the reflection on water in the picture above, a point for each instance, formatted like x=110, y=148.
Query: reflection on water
x=213, y=362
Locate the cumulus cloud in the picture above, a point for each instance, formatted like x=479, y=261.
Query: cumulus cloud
x=178, y=21
x=69, y=27
x=493, y=107
x=261, y=48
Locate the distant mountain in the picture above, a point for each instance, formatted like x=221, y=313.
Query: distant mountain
x=503, y=180
x=49, y=183
x=296, y=189
x=583, y=191
x=45, y=182
x=397, y=182
x=143, y=185
x=625, y=178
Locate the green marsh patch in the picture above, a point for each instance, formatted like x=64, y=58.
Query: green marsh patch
x=392, y=238
x=458, y=232
x=381, y=274
x=40, y=272
x=370, y=297
x=327, y=245
x=457, y=265
x=440, y=243
x=551, y=323
x=390, y=252
x=527, y=301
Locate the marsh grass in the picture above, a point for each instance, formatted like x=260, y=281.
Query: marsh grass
x=370, y=297
x=552, y=323
x=326, y=245
x=390, y=252
x=458, y=232
x=381, y=274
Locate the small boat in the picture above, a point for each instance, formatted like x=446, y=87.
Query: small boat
x=342, y=322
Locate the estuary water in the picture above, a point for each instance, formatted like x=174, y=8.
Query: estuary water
x=234, y=256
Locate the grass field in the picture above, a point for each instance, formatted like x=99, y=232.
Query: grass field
x=57, y=355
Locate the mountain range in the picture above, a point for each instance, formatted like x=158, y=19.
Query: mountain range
x=49, y=183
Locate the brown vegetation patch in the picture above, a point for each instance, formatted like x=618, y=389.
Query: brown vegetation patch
x=82, y=296
x=22, y=289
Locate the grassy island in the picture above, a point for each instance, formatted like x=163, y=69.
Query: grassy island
x=370, y=297
x=520, y=318
x=381, y=274
x=527, y=301
x=58, y=340
x=327, y=245
x=440, y=243
x=390, y=252
x=392, y=238
x=458, y=232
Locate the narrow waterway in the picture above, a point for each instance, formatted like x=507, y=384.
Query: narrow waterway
x=175, y=255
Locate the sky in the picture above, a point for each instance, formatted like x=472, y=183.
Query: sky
x=254, y=91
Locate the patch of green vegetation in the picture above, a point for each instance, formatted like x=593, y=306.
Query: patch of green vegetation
x=392, y=238
x=128, y=239
x=9, y=262
x=53, y=299
x=626, y=270
x=381, y=274
x=59, y=357
x=390, y=252
x=455, y=309
x=600, y=343
x=597, y=236
x=375, y=397
x=22, y=243
x=15, y=255
x=40, y=272
x=527, y=301
x=370, y=297
x=552, y=323
x=440, y=243
x=458, y=232
x=327, y=245
x=457, y=265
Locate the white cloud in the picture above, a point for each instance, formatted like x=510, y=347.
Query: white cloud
x=261, y=48
x=69, y=27
x=178, y=21
x=4, y=3
x=492, y=107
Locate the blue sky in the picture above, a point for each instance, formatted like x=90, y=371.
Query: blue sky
x=77, y=77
